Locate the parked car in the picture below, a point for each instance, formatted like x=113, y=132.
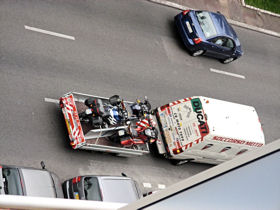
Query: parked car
x=102, y=188
x=208, y=33
x=15, y=180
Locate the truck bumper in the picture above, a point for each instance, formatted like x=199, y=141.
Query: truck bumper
x=159, y=142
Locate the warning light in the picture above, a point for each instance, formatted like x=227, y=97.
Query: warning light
x=177, y=150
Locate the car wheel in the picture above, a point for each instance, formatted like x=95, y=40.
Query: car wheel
x=228, y=60
x=197, y=53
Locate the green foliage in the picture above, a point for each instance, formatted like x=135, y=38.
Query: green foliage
x=269, y=5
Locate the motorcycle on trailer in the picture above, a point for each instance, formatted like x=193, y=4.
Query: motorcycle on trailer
x=102, y=115
x=141, y=130
x=92, y=120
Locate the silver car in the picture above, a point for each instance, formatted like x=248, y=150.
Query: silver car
x=25, y=181
x=102, y=188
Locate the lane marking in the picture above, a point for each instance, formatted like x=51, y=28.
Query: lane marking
x=147, y=185
x=161, y=186
x=50, y=100
x=227, y=73
x=49, y=32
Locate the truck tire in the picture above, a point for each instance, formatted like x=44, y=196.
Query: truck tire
x=154, y=150
x=179, y=162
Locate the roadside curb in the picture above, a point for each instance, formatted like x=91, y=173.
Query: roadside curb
x=259, y=10
x=233, y=22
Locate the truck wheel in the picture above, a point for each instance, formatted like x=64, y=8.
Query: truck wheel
x=179, y=162
x=154, y=150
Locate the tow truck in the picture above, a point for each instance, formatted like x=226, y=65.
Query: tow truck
x=206, y=130
x=83, y=136
x=197, y=129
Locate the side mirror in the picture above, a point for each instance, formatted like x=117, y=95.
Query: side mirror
x=43, y=165
x=123, y=174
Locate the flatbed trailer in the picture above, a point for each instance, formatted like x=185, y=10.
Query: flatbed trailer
x=84, y=136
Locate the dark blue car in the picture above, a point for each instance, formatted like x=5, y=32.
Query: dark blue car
x=208, y=33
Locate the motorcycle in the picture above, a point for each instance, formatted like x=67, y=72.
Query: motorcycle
x=102, y=114
x=140, y=131
x=141, y=109
x=136, y=136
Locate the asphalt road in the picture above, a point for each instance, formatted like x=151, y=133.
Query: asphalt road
x=123, y=47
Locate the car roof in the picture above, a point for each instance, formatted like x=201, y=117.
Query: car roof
x=107, y=177
x=117, y=188
x=38, y=183
x=114, y=177
x=222, y=26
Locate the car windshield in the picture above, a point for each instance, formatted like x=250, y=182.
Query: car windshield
x=91, y=189
x=206, y=23
x=12, y=183
x=119, y=190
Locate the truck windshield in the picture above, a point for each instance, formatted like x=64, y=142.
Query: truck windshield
x=206, y=23
x=11, y=179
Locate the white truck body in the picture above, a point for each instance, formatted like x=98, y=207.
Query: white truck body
x=207, y=130
x=83, y=136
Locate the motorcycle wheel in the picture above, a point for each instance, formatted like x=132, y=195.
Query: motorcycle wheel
x=135, y=147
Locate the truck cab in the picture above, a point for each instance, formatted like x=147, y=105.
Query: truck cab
x=207, y=130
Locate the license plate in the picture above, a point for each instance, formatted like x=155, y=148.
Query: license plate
x=189, y=26
x=77, y=196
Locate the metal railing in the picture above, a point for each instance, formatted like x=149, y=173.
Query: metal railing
x=42, y=203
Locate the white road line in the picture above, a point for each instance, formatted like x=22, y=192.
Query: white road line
x=228, y=73
x=49, y=32
x=52, y=100
x=161, y=186
x=147, y=185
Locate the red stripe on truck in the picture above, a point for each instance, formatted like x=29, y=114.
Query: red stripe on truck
x=76, y=134
x=237, y=141
x=162, y=108
x=71, y=120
